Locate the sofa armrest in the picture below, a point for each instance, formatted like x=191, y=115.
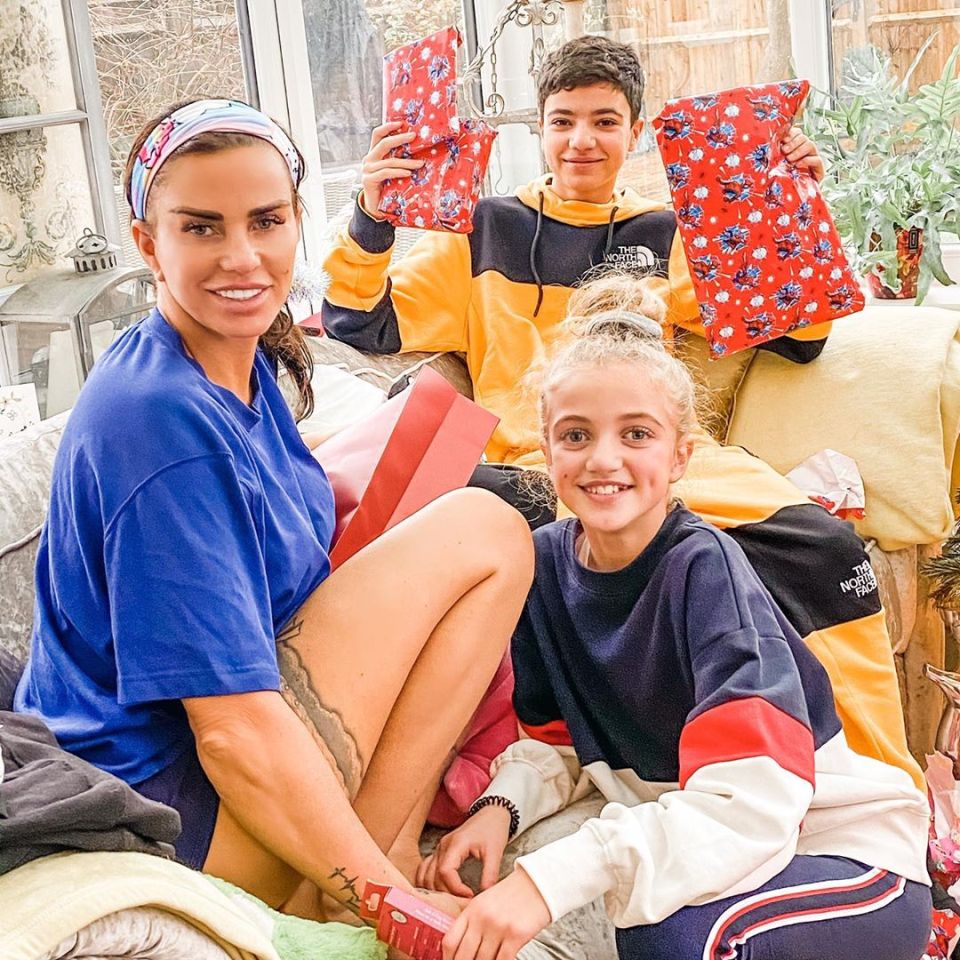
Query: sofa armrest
x=886, y=392
x=382, y=370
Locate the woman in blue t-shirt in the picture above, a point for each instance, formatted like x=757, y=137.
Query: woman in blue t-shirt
x=190, y=637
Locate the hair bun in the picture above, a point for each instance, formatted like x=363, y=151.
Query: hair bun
x=625, y=324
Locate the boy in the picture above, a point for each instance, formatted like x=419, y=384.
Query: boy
x=500, y=293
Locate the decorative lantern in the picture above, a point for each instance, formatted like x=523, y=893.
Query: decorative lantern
x=53, y=329
x=93, y=253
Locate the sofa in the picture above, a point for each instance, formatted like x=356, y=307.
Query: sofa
x=886, y=391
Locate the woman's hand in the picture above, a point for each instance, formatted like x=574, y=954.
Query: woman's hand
x=498, y=922
x=484, y=836
x=377, y=166
x=802, y=152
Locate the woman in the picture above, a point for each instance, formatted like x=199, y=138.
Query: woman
x=183, y=568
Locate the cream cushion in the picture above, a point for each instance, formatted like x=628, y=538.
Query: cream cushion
x=886, y=392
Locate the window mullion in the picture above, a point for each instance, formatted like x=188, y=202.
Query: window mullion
x=810, y=23
x=96, y=145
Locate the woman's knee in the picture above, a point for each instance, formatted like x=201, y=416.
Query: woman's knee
x=494, y=533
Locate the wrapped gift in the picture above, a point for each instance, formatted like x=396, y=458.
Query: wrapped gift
x=443, y=193
x=764, y=254
x=420, y=87
x=833, y=480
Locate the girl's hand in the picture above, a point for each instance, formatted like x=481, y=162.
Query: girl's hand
x=483, y=836
x=377, y=166
x=498, y=922
x=802, y=152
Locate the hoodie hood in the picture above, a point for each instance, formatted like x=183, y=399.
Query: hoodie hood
x=625, y=203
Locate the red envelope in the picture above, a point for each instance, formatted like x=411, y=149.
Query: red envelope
x=442, y=194
x=422, y=443
x=764, y=254
x=420, y=86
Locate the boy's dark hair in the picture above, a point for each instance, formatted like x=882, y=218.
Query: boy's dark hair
x=585, y=61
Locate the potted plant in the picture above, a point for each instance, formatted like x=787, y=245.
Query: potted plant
x=893, y=169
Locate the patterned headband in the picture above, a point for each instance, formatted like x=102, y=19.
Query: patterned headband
x=203, y=116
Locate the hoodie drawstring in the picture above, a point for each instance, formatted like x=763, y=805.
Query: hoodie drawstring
x=533, y=256
x=609, y=244
x=607, y=247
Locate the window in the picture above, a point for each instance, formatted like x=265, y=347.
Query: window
x=50, y=138
x=898, y=29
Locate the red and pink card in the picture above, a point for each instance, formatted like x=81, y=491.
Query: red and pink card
x=764, y=254
x=404, y=921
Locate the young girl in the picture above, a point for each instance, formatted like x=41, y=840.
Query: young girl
x=183, y=568
x=652, y=665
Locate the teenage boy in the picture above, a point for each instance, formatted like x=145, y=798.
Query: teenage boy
x=499, y=294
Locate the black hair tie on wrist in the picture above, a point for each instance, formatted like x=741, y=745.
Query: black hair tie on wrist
x=495, y=801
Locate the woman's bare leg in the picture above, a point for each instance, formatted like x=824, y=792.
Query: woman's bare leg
x=387, y=661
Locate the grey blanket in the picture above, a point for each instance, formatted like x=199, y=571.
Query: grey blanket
x=51, y=800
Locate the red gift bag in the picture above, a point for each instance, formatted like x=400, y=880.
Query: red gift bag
x=420, y=444
x=764, y=254
x=443, y=193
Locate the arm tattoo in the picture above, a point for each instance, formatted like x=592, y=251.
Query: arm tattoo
x=348, y=886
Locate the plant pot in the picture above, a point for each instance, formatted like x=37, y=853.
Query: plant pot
x=909, y=248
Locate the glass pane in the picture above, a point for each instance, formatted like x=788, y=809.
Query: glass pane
x=44, y=200
x=35, y=72
x=898, y=29
x=152, y=55
x=689, y=47
x=346, y=41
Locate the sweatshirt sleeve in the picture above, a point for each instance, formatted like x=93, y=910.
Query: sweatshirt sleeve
x=801, y=346
x=746, y=771
x=420, y=303
x=540, y=774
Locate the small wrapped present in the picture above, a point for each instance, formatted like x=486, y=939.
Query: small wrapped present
x=764, y=254
x=420, y=87
x=443, y=193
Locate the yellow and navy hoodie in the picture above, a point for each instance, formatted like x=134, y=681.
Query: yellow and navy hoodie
x=499, y=295
x=679, y=690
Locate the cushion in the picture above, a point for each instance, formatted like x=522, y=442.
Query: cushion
x=26, y=465
x=886, y=392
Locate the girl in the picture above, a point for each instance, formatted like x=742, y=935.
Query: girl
x=189, y=635
x=652, y=665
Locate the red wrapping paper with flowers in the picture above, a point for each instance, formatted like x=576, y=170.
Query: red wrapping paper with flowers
x=419, y=90
x=764, y=254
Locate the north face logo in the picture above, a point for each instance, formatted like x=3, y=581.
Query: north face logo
x=863, y=581
x=631, y=257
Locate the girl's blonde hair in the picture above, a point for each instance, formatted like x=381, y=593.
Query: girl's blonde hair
x=618, y=318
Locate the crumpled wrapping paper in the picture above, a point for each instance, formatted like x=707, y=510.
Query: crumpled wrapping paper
x=764, y=254
x=420, y=92
x=833, y=480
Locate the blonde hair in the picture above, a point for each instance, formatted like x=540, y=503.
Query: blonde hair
x=618, y=318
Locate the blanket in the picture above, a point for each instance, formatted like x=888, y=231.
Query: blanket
x=895, y=369
x=95, y=896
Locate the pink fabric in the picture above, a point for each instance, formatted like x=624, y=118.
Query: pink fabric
x=492, y=729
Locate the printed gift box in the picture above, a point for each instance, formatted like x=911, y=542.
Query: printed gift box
x=419, y=90
x=763, y=251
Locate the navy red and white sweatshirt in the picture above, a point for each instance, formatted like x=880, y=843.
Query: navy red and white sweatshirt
x=677, y=688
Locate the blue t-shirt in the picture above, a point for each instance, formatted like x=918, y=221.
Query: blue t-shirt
x=185, y=528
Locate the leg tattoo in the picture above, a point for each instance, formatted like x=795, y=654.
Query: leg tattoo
x=326, y=725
